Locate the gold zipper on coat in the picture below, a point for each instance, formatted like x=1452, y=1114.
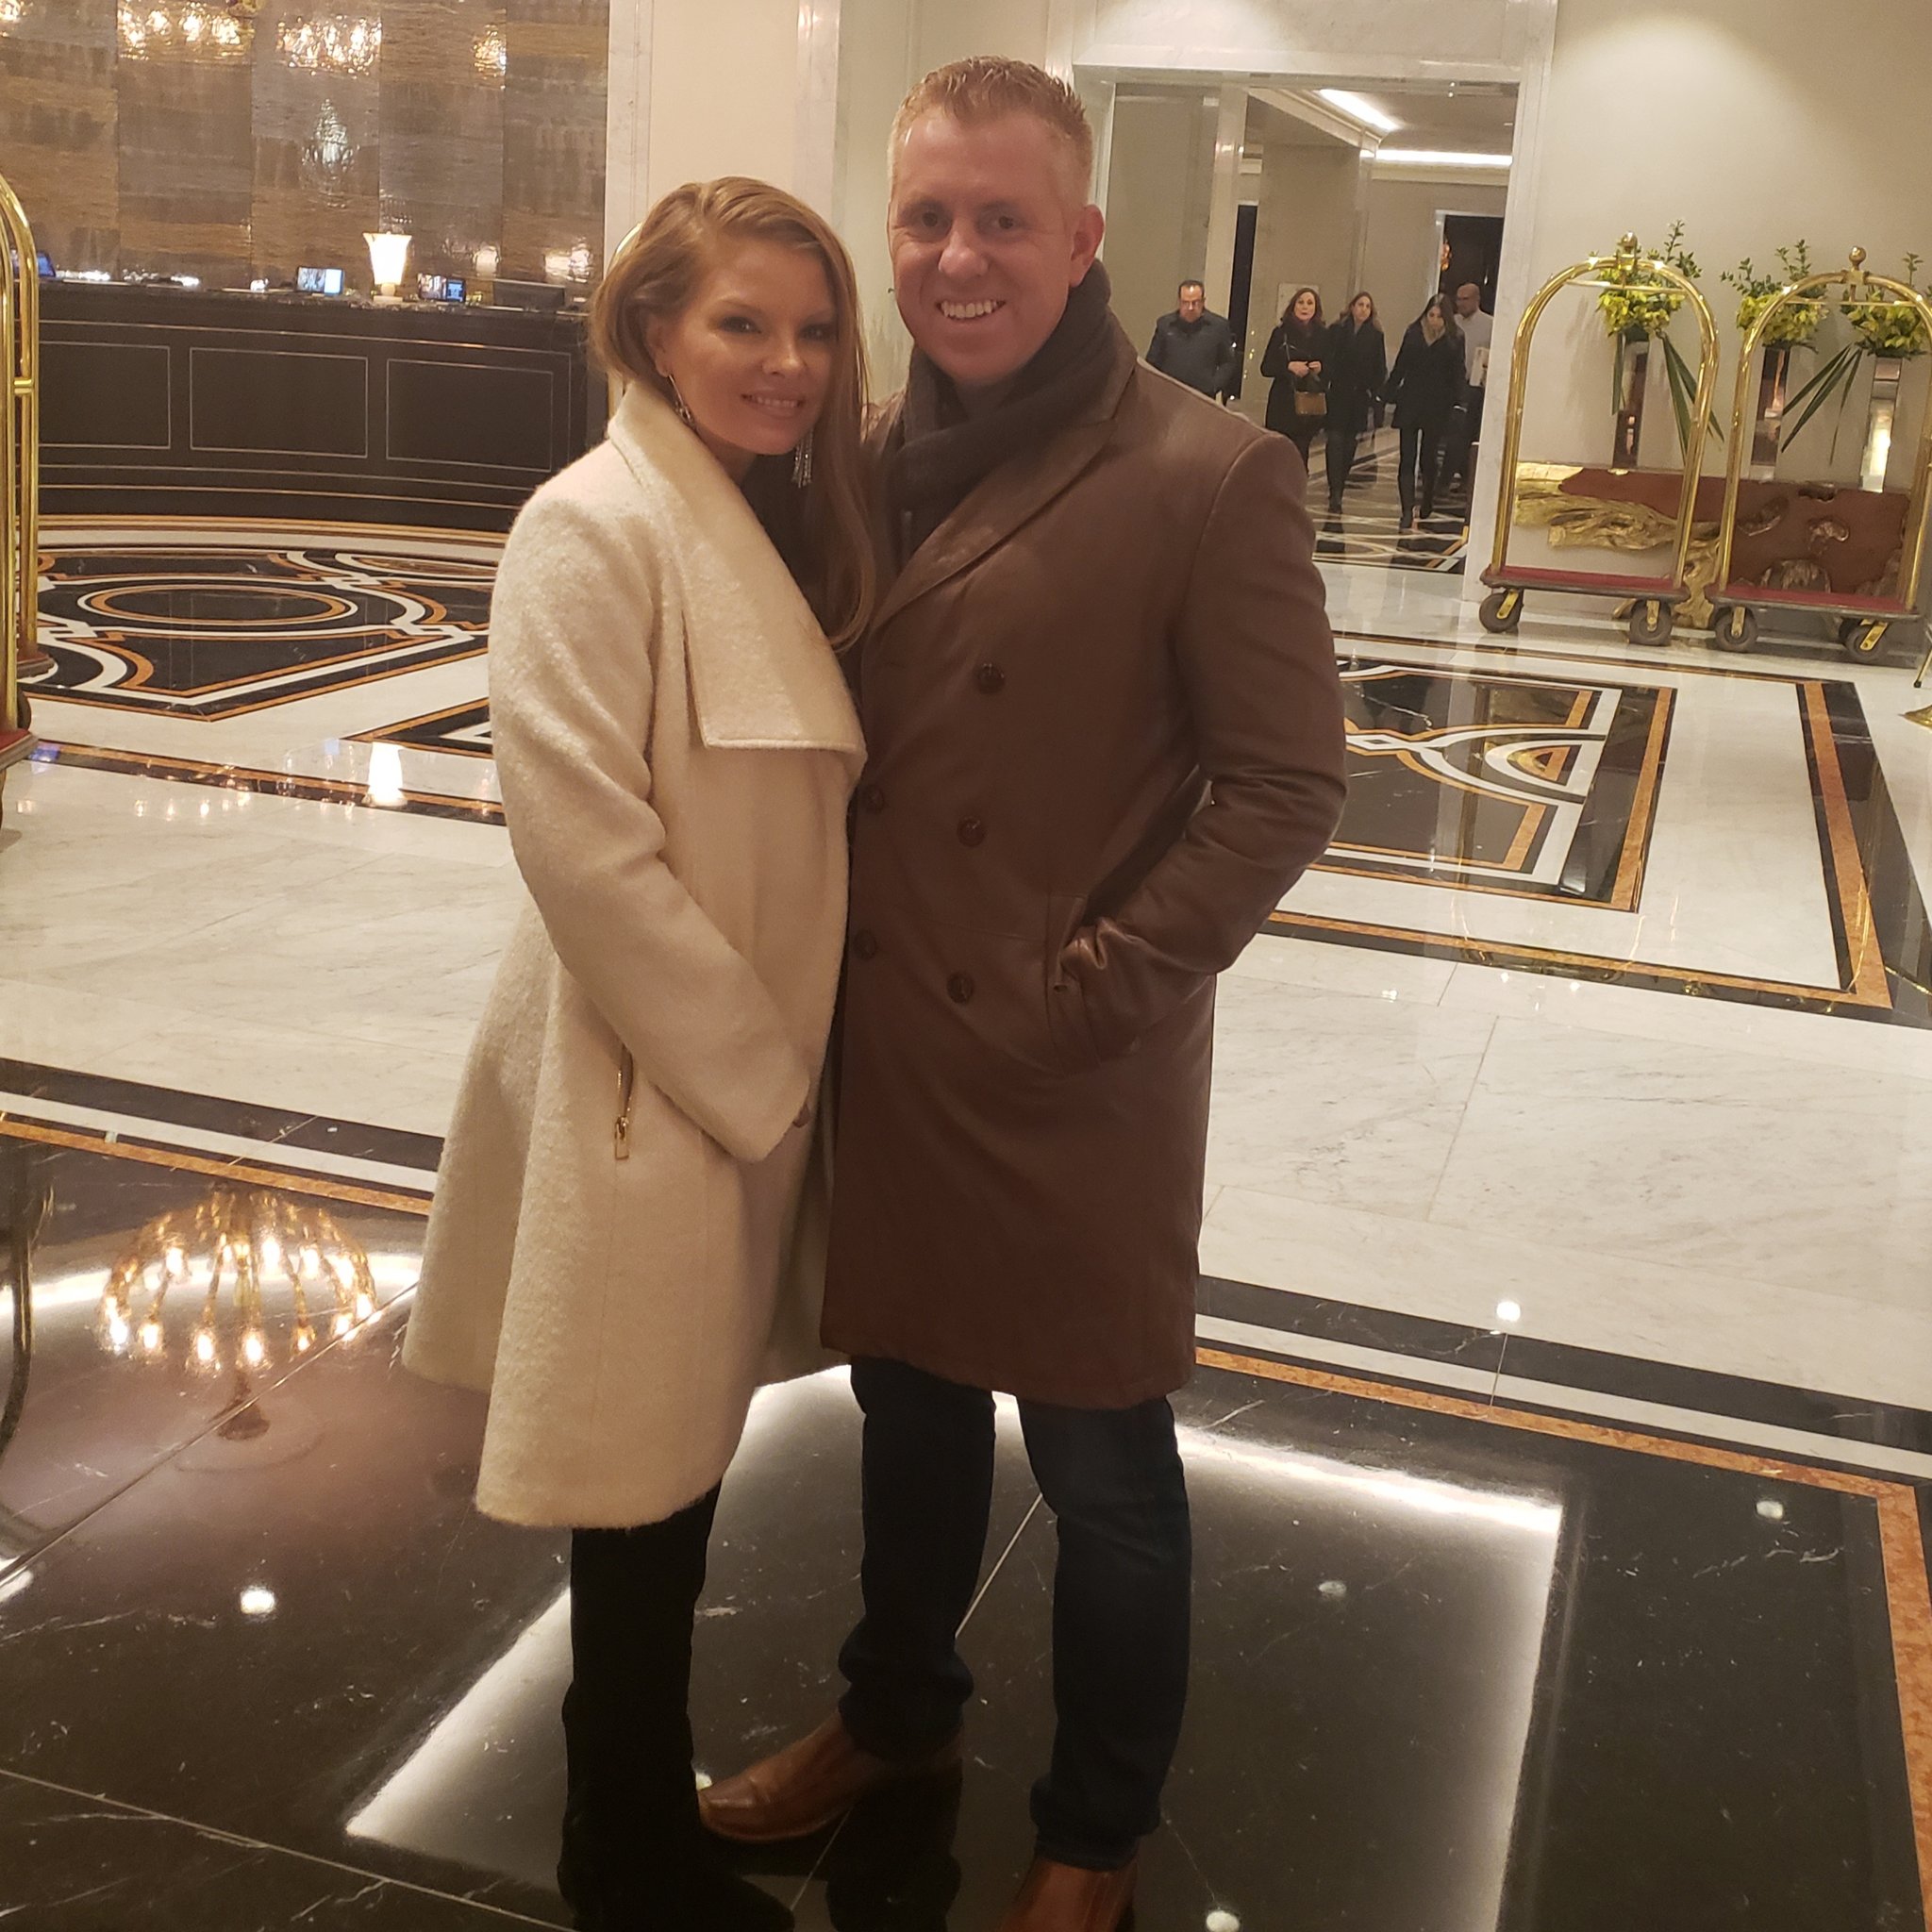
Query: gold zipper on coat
x=626, y=1080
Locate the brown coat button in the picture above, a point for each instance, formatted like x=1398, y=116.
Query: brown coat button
x=991, y=679
x=874, y=798
x=865, y=945
x=960, y=988
x=971, y=832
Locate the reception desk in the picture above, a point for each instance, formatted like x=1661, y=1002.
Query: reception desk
x=160, y=402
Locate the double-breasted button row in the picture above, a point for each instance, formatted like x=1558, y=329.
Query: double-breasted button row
x=973, y=831
x=991, y=679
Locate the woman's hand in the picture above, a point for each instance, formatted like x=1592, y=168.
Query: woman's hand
x=1314, y=368
x=1298, y=368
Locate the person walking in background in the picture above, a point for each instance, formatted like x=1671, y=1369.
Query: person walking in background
x=1196, y=346
x=1294, y=358
x=1425, y=389
x=1478, y=329
x=620, y=1253
x=1357, y=368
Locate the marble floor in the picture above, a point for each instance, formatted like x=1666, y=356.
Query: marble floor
x=1562, y=1446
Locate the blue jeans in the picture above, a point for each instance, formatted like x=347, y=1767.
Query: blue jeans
x=1121, y=1594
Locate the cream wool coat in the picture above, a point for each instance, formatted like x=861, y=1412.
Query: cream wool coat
x=677, y=748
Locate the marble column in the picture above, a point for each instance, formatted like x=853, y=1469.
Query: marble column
x=1230, y=137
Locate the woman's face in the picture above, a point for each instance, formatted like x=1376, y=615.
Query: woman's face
x=1304, y=306
x=1432, y=322
x=1364, y=310
x=753, y=353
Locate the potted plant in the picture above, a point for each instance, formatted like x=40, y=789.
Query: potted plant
x=1791, y=328
x=1636, y=310
x=1891, y=333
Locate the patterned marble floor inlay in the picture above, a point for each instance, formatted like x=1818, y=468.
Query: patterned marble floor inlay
x=216, y=632
x=1543, y=786
x=460, y=728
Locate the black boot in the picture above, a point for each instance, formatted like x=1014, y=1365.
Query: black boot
x=635, y=1856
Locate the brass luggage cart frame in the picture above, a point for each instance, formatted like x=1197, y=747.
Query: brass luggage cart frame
x=20, y=472
x=1863, y=623
x=1655, y=598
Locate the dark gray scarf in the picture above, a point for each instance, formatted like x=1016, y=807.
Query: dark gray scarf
x=944, y=454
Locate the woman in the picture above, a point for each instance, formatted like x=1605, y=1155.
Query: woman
x=618, y=1250
x=1294, y=358
x=1357, y=374
x=1425, y=388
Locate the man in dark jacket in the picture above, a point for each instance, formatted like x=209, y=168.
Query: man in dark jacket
x=1196, y=346
x=1105, y=736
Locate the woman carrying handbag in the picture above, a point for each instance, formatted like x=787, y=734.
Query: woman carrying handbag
x=1298, y=401
x=1425, y=388
x=621, y=1249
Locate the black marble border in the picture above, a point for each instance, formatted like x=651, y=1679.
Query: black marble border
x=1598, y=1371
x=271, y=1127
x=432, y=804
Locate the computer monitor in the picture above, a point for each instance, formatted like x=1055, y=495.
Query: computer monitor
x=44, y=262
x=441, y=288
x=319, y=281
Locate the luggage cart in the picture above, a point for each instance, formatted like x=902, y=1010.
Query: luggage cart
x=1864, y=622
x=20, y=325
x=1653, y=599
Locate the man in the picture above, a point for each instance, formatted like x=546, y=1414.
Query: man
x=1105, y=736
x=1197, y=348
x=1478, y=332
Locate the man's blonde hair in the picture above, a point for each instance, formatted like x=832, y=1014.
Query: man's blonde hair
x=988, y=88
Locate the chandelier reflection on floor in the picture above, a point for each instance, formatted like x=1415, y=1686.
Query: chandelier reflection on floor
x=333, y=43
x=243, y=1241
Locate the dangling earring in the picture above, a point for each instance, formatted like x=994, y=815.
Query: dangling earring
x=801, y=464
x=677, y=402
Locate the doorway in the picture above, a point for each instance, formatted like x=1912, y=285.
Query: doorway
x=1385, y=187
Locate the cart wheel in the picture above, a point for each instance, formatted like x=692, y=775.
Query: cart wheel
x=1502, y=611
x=1860, y=639
x=1651, y=623
x=1734, y=627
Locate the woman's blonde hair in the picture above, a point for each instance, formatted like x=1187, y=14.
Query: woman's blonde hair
x=825, y=532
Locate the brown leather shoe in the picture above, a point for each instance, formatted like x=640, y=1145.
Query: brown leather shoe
x=809, y=1785
x=1064, y=1898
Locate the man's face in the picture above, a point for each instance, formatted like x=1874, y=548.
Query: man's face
x=1469, y=298
x=1193, y=302
x=989, y=234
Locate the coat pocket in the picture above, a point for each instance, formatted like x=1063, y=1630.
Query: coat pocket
x=1068, y=1025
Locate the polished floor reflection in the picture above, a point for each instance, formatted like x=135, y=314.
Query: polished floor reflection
x=1461, y=1667
x=1367, y=529
x=1563, y=1447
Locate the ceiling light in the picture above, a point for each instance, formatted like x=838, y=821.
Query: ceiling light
x=1359, y=110
x=1437, y=158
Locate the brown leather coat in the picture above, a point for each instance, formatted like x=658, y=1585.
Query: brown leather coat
x=1105, y=736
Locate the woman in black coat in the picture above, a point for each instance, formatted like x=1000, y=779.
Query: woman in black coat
x=1294, y=357
x=1358, y=375
x=1425, y=388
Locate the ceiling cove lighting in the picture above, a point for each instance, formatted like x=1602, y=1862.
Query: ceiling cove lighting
x=1438, y=157
x=1357, y=109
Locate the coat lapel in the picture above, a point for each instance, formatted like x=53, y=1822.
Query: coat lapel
x=1010, y=498
x=763, y=675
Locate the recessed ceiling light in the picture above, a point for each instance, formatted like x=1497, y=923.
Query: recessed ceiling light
x=1359, y=110
x=1436, y=158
